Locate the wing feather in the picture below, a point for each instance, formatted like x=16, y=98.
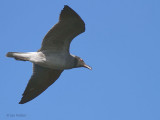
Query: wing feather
x=60, y=35
x=40, y=80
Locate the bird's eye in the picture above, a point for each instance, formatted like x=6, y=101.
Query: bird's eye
x=81, y=59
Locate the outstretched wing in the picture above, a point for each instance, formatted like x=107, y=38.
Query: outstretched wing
x=40, y=80
x=60, y=35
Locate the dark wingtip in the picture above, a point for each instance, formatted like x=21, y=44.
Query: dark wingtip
x=21, y=102
x=66, y=6
x=68, y=12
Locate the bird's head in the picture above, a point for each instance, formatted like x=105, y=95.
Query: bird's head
x=80, y=63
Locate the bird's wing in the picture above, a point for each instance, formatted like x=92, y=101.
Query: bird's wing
x=60, y=35
x=40, y=80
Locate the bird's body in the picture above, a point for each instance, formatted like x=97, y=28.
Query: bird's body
x=48, y=58
x=52, y=60
x=57, y=60
x=53, y=57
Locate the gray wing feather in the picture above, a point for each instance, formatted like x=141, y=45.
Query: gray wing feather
x=60, y=35
x=40, y=80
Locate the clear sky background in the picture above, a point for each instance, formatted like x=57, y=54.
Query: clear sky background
x=121, y=43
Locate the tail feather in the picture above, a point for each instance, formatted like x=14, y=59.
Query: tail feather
x=17, y=56
x=10, y=54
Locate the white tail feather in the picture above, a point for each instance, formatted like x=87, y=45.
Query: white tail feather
x=18, y=56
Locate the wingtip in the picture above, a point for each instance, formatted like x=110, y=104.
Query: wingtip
x=68, y=12
x=21, y=102
x=66, y=6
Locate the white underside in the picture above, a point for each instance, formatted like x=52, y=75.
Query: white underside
x=50, y=59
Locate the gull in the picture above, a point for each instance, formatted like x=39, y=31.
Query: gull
x=53, y=57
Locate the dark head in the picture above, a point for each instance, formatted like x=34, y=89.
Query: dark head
x=80, y=63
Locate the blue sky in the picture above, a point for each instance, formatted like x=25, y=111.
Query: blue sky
x=121, y=43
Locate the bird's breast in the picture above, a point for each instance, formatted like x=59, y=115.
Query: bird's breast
x=55, y=60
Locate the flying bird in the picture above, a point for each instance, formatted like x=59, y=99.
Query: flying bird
x=53, y=57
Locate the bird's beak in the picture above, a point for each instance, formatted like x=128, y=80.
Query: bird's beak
x=87, y=66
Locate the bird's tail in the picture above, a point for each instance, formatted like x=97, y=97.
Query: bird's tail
x=18, y=56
